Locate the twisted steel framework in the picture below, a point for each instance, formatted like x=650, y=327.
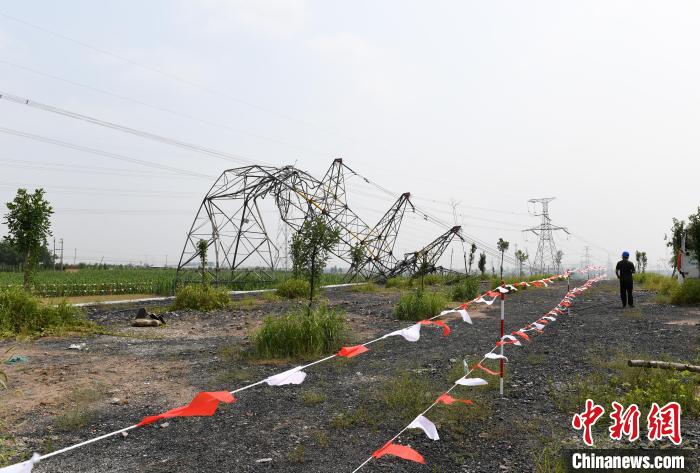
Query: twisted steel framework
x=230, y=221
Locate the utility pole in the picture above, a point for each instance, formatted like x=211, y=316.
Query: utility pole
x=75, y=255
x=166, y=261
x=61, y=241
x=546, y=248
x=53, y=260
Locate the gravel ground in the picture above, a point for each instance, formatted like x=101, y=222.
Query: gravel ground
x=298, y=428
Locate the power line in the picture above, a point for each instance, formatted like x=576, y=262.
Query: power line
x=79, y=168
x=155, y=107
x=142, y=134
x=107, y=154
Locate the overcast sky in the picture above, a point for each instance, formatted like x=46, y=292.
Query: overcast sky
x=486, y=103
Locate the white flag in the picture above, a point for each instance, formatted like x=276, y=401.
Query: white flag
x=537, y=326
x=424, y=424
x=511, y=287
x=495, y=356
x=24, y=467
x=502, y=290
x=511, y=337
x=481, y=299
x=471, y=382
x=293, y=376
x=550, y=318
x=412, y=333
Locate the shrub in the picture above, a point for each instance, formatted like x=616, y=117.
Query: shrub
x=417, y=305
x=664, y=286
x=293, y=288
x=201, y=297
x=302, y=333
x=22, y=313
x=687, y=293
x=466, y=289
x=398, y=282
x=433, y=279
x=365, y=287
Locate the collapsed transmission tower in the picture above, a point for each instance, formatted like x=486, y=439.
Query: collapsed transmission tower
x=546, y=248
x=426, y=258
x=231, y=223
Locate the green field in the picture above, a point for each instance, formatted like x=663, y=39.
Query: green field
x=92, y=281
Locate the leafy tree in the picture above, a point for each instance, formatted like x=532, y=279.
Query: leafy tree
x=521, y=256
x=8, y=255
x=310, y=248
x=357, y=256
x=29, y=225
x=674, y=242
x=557, y=259
x=482, y=263
x=472, y=252
x=693, y=239
x=638, y=257
x=643, y=259
x=502, y=247
x=202, y=247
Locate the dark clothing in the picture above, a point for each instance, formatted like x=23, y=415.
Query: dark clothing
x=626, y=293
x=625, y=270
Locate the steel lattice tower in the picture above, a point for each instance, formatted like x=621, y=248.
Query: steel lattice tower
x=546, y=248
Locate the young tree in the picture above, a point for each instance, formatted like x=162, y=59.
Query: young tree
x=482, y=263
x=693, y=236
x=638, y=257
x=677, y=230
x=521, y=256
x=28, y=226
x=472, y=252
x=202, y=247
x=643, y=259
x=357, y=256
x=502, y=247
x=310, y=249
x=558, y=258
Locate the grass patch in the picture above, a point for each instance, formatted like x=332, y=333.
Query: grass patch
x=312, y=398
x=77, y=414
x=465, y=290
x=297, y=455
x=23, y=314
x=550, y=460
x=398, y=282
x=615, y=381
x=687, y=293
x=406, y=395
x=367, y=287
x=302, y=333
x=535, y=359
x=8, y=447
x=201, y=297
x=359, y=416
x=417, y=305
x=293, y=289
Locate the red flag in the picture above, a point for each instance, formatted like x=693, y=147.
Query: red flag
x=543, y=321
x=401, y=451
x=537, y=283
x=203, y=404
x=440, y=323
x=486, y=370
x=464, y=306
x=349, y=352
x=493, y=294
x=447, y=400
x=565, y=304
x=521, y=334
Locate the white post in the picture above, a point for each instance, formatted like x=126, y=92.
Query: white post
x=503, y=332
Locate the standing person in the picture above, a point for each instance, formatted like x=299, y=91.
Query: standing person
x=624, y=271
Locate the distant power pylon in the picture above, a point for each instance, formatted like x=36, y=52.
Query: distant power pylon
x=546, y=248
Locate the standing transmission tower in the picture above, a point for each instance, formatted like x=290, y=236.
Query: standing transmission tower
x=546, y=248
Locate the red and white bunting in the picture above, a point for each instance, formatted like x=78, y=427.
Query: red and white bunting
x=349, y=352
x=495, y=356
x=204, y=404
x=411, y=334
x=401, y=451
x=448, y=400
x=471, y=382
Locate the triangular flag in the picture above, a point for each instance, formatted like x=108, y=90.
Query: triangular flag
x=447, y=400
x=349, y=352
x=471, y=382
x=23, y=467
x=439, y=323
x=521, y=334
x=293, y=376
x=537, y=326
x=486, y=370
x=493, y=293
x=465, y=316
x=550, y=318
x=423, y=423
x=484, y=301
x=203, y=404
x=502, y=290
x=511, y=339
x=412, y=333
x=401, y=451
x=495, y=356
